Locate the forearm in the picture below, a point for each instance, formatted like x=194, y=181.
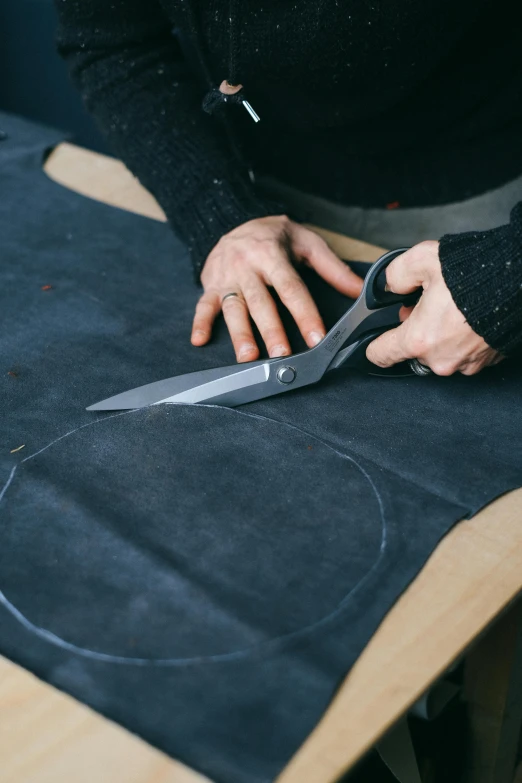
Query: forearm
x=134, y=81
x=483, y=271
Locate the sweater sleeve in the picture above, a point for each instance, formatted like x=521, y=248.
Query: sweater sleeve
x=483, y=271
x=135, y=81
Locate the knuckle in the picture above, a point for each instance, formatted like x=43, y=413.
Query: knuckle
x=375, y=358
x=243, y=341
x=272, y=250
x=419, y=249
x=426, y=244
x=317, y=244
x=273, y=334
x=471, y=369
x=312, y=326
x=291, y=288
x=204, y=307
x=231, y=252
x=393, y=273
x=256, y=300
x=283, y=220
x=373, y=352
x=237, y=255
x=444, y=367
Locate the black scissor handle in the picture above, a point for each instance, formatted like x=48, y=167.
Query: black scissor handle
x=375, y=285
x=359, y=361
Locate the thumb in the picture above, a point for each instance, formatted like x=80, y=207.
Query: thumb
x=390, y=348
x=414, y=268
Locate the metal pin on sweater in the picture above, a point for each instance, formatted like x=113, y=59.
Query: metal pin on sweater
x=251, y=111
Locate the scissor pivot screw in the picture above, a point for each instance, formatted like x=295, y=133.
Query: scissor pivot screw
x=286, y=374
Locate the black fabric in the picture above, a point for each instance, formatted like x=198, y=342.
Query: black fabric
x=204, y=576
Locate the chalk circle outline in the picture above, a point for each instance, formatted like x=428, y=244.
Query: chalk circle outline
x=265, y=645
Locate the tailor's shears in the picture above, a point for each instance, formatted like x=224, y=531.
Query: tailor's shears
x=375, y=311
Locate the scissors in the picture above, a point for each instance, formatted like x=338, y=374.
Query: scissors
x=375, y=311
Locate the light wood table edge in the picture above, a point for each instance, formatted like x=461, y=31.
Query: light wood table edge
x=46, y=736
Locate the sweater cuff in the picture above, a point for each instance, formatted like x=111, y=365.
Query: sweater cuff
x=483, y=271
x=219, y=208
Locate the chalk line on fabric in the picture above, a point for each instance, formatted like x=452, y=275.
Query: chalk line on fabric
x=275, y=642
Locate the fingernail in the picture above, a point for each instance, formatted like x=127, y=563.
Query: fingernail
x=199, y=333
x=246, y=349
x=315, y=337
x=278, y=350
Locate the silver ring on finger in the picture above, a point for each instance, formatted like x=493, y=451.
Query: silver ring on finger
x=418, y=368
x=228, y=296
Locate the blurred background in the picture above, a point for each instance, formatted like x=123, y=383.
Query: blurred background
x=33, y=79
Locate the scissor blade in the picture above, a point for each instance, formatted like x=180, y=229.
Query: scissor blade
x=233, y=385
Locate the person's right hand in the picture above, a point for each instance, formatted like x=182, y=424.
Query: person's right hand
x=248, y=260
x=434, y=331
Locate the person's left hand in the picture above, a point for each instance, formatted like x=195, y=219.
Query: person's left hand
x=434, y=331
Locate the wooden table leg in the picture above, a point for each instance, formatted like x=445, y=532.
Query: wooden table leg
x=493, y=691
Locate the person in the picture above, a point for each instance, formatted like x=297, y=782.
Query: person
x=396, y=123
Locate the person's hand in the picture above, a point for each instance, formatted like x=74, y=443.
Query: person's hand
x=434, y=331
x=250, y=259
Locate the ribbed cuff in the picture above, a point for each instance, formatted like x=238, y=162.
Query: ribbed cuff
x=483, y=271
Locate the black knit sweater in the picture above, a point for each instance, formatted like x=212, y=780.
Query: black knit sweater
x=362, y=103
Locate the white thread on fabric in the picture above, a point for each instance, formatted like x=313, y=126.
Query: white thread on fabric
x=8, y=483
x=277, y=641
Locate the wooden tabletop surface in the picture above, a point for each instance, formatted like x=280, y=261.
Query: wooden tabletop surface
x=471, y=577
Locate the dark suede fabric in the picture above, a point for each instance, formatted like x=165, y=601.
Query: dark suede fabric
x=204, y=576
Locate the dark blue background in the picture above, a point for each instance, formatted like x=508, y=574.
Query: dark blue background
x=33, y=79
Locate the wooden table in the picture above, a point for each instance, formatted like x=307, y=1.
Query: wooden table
x=474, y=574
